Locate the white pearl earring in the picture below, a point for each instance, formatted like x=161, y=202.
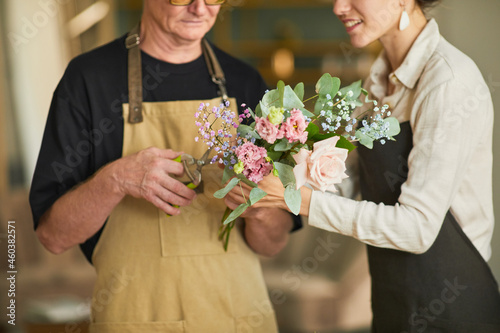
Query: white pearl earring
x=404, y=22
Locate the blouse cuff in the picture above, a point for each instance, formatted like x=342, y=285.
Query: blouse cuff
x=331, y=212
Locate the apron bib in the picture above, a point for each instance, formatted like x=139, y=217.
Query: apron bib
x=171, y=274
x=449, y=288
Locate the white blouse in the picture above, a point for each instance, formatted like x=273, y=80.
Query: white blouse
x=441, y=92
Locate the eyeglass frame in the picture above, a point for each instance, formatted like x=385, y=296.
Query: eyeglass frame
x=188, y=4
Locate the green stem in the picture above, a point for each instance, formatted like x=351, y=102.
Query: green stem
x=225, y=230
x=243, y=194
x=307, y=100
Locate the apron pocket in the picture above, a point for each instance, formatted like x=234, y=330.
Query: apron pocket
x=196, y=230
x=192, y=234
x=148, y=327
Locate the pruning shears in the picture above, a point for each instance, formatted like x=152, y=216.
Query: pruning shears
x=194, y=175
x=192, y=167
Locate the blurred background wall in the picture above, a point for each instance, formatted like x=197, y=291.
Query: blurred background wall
x=291, y=40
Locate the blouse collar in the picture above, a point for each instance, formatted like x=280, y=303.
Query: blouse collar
x=413, y=65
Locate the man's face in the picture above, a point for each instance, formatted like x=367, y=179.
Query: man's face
x=182, y=23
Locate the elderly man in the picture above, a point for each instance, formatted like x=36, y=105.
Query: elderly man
x=106, y=179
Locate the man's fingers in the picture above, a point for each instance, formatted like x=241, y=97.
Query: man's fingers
x=175, y=190
x=165, y=206
x=169, y=153
x=174, y=168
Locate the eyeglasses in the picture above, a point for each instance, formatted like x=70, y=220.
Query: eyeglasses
x=188, y=2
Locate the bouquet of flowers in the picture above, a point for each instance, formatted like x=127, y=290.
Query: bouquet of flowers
x=297, y=145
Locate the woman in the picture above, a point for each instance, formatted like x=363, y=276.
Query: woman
x=427, y=213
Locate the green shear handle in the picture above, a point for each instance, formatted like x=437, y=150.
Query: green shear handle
x=194, y=175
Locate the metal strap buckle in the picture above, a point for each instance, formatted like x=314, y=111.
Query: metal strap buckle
x=132, y=41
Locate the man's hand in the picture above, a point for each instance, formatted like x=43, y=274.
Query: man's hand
x=82, y=211
x=147, y=174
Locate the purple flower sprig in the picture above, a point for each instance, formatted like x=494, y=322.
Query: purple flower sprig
x=215, y=127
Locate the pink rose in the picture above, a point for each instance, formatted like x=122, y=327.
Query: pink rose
x=266, y=129
x=294, y=128
x=323, y=167
x=254, y=161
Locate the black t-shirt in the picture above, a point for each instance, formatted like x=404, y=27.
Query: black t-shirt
x=84, y=129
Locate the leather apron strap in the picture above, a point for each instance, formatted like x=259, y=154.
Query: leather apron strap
x=135, y=73
x=214, y=69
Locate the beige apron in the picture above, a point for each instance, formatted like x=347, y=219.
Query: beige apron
x=171, y=274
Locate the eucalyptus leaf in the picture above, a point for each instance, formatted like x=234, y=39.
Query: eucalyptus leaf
x=256, y=194
x=346, y=144
x=222, y=192
x=367, y=99
x=307, y=113
x=285, y=173
x=321, y=105
x=293, y=199
x=291, y=161
x=335, y=87
x=227, y=174
x=312, y=130
x=299, y=91
x=281, y=90
x=271, y=97
x=324, y=84
x=264, y=109
x=283, y=145
x=357, y=103
x=291, y=100
x=244, y=130
x=394, y=128
x=236, y=213
x=245, y=180
x=327, y=85
x=251, y=113
x=355, y=87
x=258, y=111
x=274, y=155
x=364, y=139
x=322, y=136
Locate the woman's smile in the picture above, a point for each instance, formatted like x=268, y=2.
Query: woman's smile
x=351, y=24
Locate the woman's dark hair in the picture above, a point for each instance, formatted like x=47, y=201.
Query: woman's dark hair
x=424, y=4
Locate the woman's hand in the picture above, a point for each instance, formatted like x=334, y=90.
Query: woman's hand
x=270, y=184
x=275, y=197
x=267, y=224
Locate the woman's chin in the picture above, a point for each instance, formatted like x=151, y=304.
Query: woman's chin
x=360, y=42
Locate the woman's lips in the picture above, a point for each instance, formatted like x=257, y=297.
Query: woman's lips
x=350, y=25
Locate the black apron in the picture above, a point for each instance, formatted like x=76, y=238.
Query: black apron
x=449, y=288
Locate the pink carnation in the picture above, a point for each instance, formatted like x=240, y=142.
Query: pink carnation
x=323, y=167
x=254, y=161
x=257, y=174
x=294, y=128
x=266, y=129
